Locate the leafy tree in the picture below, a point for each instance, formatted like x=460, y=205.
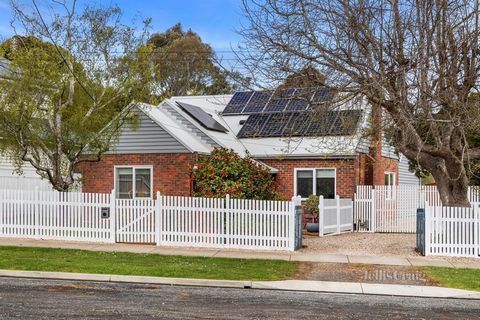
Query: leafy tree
x=225, y=172
x=184, y=65
x=417, y=61
x=70, y=77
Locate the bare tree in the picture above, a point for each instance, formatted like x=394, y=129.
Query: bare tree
x=72, y=74
x=418, y=60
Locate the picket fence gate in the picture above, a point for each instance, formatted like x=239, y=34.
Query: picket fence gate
x=393, y=208
x=167, y=220
x=335, y=215
x=452, y=231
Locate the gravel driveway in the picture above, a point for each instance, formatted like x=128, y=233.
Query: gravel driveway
x=362, y=243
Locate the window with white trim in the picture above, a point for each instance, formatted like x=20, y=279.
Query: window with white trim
x=321, y=182
x=133, y=182
x=390, y=178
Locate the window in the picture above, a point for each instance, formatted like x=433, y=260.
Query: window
x=390, y=179
x=320, y=182
x=133, y=182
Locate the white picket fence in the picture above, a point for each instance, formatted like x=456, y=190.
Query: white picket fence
x=54, y=215
x=227, y=223
x=168, y=220
x=393, y=208
x=335, y=215
x=452, y=231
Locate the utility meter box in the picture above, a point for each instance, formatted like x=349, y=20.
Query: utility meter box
x=105, y=212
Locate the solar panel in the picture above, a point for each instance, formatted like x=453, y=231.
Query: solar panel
x=275, y=124
x=300, y=123
x=253, y=125
x=322, y=95
x=205, y=119
x=238, y=102
x=257, y=102
x=279, y=100
x=297, y=124
x=300, y=100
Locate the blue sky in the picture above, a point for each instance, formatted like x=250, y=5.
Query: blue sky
x=214, y=20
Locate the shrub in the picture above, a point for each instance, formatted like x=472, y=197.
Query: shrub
x=311, y=204
x=225, y=172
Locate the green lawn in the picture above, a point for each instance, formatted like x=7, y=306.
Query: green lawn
x=455, y=278
x=68, y=260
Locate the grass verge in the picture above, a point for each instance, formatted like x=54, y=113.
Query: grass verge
x=468, y=279
x=123, y=263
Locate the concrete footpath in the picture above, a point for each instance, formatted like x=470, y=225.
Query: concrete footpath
x=286, y=285
x=303, y=256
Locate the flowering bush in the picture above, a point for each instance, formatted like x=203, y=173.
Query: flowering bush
x=225, y=172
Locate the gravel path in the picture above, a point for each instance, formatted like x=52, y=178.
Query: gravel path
x=365, y=244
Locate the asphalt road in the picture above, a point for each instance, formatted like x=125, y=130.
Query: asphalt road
x=52, y=299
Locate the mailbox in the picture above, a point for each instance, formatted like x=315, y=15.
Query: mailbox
x=105, y=212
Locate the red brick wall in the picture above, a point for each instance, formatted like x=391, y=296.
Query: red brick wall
x=171, y=172
x=285, y=177
x=350, y=172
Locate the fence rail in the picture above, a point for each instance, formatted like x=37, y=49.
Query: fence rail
x=167, y=220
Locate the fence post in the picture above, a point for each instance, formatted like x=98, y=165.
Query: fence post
x=321, y=215
x=293, y=204
x=158, y=219
x=373, y=216
x=227, y=230
x=476, y=229
x=36, y=210
x=428, y=223
x=113, y=217
x=337, y=207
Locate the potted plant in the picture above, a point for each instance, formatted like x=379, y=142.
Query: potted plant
x=311, y=207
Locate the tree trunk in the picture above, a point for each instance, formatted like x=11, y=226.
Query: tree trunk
x=451, y=180
x=453, y=192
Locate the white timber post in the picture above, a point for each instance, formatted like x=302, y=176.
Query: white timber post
x=337, y=208
x=373, y=216
x=36, y=212
x=476, y=229
x=158, y=219
x=227, y=230
x=292, y=223
x=321, y=215
x=428, y=218
x=113, y=217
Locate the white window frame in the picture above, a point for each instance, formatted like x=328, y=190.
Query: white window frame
x=390, y=194
x=392, y=174
x=133, y=167
x=314, y=170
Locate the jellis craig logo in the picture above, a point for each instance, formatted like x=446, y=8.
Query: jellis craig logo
x=382, y=275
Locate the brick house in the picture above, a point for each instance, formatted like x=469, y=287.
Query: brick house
x=307, y=152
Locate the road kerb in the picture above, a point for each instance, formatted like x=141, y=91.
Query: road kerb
x=285, y=285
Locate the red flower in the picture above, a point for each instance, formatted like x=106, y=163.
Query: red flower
x=212, y=168
x=230, y=190
x=212, y=175
x=254, y=188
